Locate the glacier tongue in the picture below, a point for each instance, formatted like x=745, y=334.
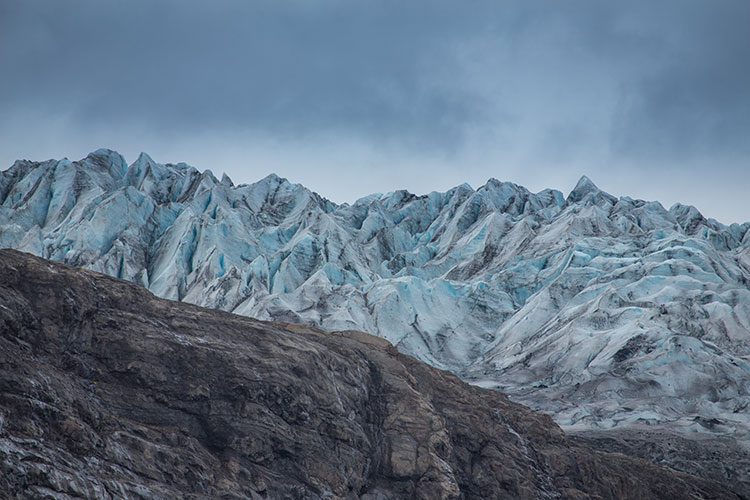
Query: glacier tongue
x=605, y=311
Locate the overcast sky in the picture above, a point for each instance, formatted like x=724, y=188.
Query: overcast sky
x=649, y=98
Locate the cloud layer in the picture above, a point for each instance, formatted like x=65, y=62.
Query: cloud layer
x=650, y=99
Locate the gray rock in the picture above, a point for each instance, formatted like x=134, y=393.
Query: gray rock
x=109, y=392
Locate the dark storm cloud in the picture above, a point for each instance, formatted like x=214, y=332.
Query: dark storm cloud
x=696, y=100
x=287, y=67
x=548, y=89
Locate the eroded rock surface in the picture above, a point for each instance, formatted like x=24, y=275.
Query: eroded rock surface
x=720, y=459
x=109, y=392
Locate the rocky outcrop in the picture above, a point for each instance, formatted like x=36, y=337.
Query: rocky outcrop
x=109, y=392
x=720, y=459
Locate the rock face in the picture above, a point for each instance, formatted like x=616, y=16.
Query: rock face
x=720, y=459
x=605, y=312
x=108, y=392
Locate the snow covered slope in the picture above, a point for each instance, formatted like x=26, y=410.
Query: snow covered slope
x=605, y=311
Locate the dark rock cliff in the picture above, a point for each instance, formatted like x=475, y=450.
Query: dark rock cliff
x=108, y=392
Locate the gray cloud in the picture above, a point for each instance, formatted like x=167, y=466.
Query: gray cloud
x=281, y=67
x=696, y=100
x=352, y=97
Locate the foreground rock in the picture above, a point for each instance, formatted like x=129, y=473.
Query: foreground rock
x=108, y=392
x=720, y=459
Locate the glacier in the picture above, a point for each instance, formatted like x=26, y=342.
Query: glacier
x=606, y=312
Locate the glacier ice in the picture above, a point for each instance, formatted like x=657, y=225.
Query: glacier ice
x=606, y=311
